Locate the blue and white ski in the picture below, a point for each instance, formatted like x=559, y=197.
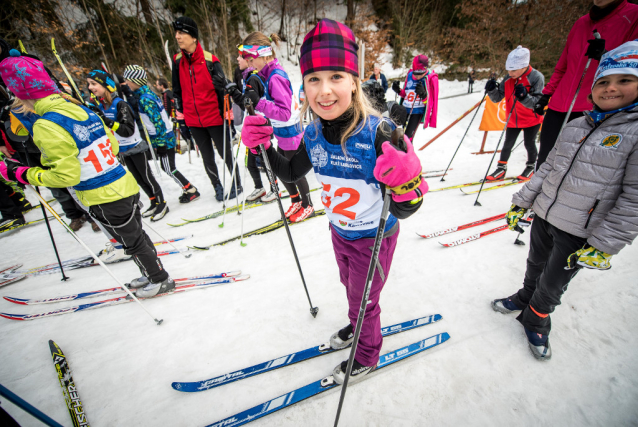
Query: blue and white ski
x=292, y=358
x=324, y=384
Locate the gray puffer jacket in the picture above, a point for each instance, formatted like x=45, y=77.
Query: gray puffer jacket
x=588, y=186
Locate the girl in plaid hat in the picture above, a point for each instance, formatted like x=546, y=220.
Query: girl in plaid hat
x=119, y=116
x=348, y=148
x=279, y=104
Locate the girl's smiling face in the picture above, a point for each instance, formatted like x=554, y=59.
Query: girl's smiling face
x=97, y=89
x=615, y=91
x=329, y=93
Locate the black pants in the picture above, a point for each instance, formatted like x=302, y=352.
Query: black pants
x=298, y=190
x=413, y=124
x=545, y=278
x=167, y=160
x=123, y=221
x=204, y=138
x=549, y=134
x=139, y=167
x=255, y=174
x=470, y=87
x=8, y=208
x=71, y=209
x=529, y=136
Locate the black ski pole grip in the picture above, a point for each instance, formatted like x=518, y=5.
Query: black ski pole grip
x=248, y=104
x=398, y=141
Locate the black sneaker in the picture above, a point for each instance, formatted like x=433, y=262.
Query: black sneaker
x=358, y=372
x=499, y=173
x=343, y=338
x=527, y=173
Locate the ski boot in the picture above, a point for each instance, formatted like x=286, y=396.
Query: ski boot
x=504, y=305
x=219, y=192
x=527, y=173
x=499, y=173
x=140, y=282
x=539, y=345
x=235, y=191
x=302, y=214
x=7, y=223
x=114, y=252
x=269, y=197
x=153, y=289
x=296, y=206
x=190, y=194
x=358, y=372
x=151, y=210
x=21, y=201
x=343, y=338
x=77, y=223
x=259, y=192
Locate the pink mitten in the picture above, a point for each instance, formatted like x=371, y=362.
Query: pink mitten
x=401, y=172
x=256, y=131
x=14, y=171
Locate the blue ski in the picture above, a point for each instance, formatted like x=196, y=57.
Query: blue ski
x=292, y=358
x=324, y=384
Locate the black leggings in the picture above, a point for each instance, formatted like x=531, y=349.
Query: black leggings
x=204, y=138
x=299, y=189
x=549, y=134
x=255, y=174
x=529, y=136
x=123, y=221
x=413, y=124
x=138, y=165
x=167, y=160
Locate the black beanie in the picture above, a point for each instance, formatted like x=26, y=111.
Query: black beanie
x=186, y=25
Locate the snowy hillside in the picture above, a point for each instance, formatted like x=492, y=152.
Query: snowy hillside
x=124, y=364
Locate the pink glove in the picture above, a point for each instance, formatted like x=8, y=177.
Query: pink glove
x=401, y=172
x=15, y=172
x=256, y=131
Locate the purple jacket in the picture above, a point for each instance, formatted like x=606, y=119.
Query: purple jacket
x=279, y=107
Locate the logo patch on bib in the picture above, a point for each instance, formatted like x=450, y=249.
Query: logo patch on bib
x=611, y=141
x=319, y=156
x=81, y=132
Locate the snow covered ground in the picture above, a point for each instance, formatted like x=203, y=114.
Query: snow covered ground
x=123, y=364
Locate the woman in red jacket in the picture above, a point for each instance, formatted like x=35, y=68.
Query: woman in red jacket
x=617, y=23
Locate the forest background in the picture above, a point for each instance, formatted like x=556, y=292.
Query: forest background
x=461, y=34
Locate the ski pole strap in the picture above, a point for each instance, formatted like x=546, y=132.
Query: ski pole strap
x=411, y=185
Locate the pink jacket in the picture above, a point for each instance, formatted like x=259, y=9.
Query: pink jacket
x=432, y=107
x=616, y=28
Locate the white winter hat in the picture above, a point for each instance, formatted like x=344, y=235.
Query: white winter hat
x=517, y=59
x=622, y=60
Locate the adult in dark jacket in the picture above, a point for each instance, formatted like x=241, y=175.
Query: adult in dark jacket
x=617, y=23
x=378, y=76
x=201, y=102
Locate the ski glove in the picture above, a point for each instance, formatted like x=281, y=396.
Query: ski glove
x=491, y=85
x=596, y=49
x=396, y=86
x=539, y=107
x=108, y=122
x=252, y=94
x=256, y=131
x=421, y=91
x=589, y=258
x=520, y=92
x=401, y=172
x=12, y=170
x=513, y=216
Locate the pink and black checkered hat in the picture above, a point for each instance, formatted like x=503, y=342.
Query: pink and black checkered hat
x=331, y=45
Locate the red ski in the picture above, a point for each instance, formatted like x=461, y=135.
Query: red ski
x=463, y=227
x=475, y=236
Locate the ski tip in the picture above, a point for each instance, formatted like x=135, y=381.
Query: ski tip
x=437, y=317
x=198, y=248
x=232, y=273
x=445, y=336
x=16, y=300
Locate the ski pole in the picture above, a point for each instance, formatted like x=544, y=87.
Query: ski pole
x=27, y=407
x=232, y=179
x=397, y=140
x=224, y=150
x=95, y=257
x=44, y=212
x=275, y=189
x=571, y=106
x=476, y=202
x=66, y=72
x=451, y=125
x=466, y=130
x=166, y=240
x=188, y=141
x=243, y=207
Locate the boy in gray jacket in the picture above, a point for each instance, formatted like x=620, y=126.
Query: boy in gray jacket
x=585, y=197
